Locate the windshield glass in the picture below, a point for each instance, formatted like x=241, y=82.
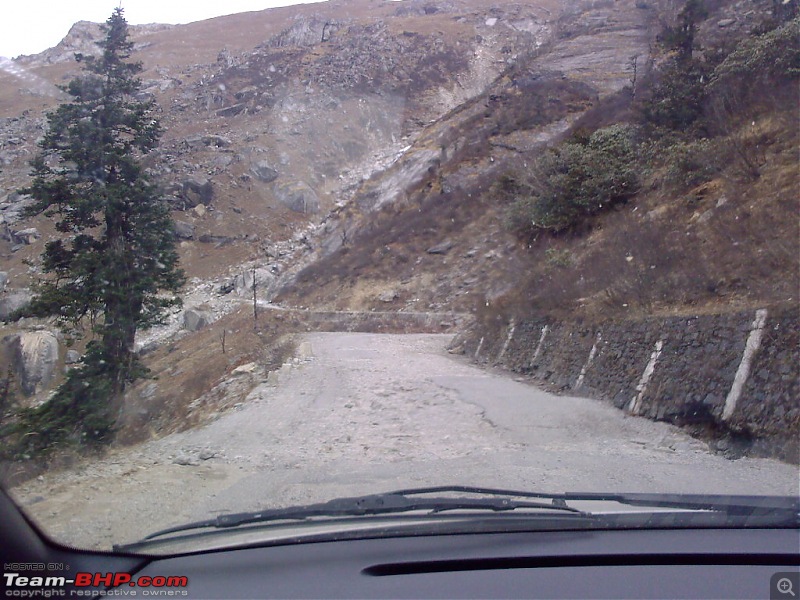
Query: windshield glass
x=280, y=257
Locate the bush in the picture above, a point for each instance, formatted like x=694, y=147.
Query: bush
x=690, y=163
x=573, y=181
x=772, y=56
x=675, y=100
x=756, y=71
x=558, y=258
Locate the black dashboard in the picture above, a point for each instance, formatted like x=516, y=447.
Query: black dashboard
x=607, y=564
x=645, y=563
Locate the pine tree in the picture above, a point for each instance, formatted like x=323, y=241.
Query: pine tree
x=115, y=265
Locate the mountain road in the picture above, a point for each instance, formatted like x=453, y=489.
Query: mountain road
x=367, y=413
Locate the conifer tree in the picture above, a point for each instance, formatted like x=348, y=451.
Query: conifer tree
x=114, y=266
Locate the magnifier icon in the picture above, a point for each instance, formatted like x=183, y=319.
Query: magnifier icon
x=784, y=586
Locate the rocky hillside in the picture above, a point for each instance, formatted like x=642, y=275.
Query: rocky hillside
x=345, y=156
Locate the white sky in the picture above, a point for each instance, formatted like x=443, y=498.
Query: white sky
x=30, y=26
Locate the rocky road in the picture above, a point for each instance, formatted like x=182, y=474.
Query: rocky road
x=367, y=413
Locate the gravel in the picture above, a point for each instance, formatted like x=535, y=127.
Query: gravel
x=367, y=413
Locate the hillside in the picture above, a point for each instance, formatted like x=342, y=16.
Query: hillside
x=350, y=156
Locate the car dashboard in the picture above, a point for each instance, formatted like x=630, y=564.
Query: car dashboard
x=637, y=563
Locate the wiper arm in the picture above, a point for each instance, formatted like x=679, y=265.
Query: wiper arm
x=786, y=509
x=382, y=504
x=730, y=505
x=733, y=505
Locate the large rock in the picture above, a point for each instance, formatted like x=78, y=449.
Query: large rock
x=305, y=32
x=194, y=319
x=26, y=236
x=243, y=284
x=440, y=248
x=198, y=190
x=219, y=240
x=33, y=356
x=12, y=301
x=298, y=196
x=3, y=280
x=263, y=171
x=11, y=208
x=184, y=230
x=207, y=141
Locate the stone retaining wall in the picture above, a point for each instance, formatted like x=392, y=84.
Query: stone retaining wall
x=377, y=321
x=733, y=378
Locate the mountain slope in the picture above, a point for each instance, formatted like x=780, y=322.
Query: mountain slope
x=346, y=155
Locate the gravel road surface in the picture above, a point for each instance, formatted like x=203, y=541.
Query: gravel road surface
x=367, y=413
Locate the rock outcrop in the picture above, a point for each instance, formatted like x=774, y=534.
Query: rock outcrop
x=298, y=197
x=12, y=300
x=33, y=358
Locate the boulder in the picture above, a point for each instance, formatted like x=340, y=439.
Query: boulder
x=33, y=356
x=305, y=32
x=184, y=230
x=12, y=208
x=12, y=301
x=194, y=319
x=243, y=284
x=198, y=190
x=222, y=160
x=245, y=369
x=25, y=236
x=3, y=280
x=211, y=141
x=219, y=240
x=298, y=196
x=441, y=248
x=263, y=171
x=232, y=111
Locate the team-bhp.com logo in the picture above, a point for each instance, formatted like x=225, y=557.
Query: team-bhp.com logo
x=93, y=584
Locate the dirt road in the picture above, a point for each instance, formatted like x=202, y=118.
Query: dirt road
x=367, y=413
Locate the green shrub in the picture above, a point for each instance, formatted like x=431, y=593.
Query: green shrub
x=772, y=56
x=573, y=181
x=756, y=72
x=675, y=101
x=690, y=164
x=558, y=258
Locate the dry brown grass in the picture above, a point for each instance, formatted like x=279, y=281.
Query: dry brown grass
x=195, y=366
x=727, y=244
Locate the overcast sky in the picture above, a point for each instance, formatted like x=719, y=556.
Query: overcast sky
x=30, y=26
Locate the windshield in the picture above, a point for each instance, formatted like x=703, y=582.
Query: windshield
x=276, y=258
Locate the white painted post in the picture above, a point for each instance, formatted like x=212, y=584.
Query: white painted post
x=540, y=345
x=636, y=402
x=511, y=327
x=588, y=364
x=478, y=349
x=750, y=348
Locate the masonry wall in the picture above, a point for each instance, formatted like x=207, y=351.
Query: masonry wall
x=733, y=378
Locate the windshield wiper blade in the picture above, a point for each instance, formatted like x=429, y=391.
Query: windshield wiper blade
x=732, y=505
x=382, y=504
x=784, y=509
